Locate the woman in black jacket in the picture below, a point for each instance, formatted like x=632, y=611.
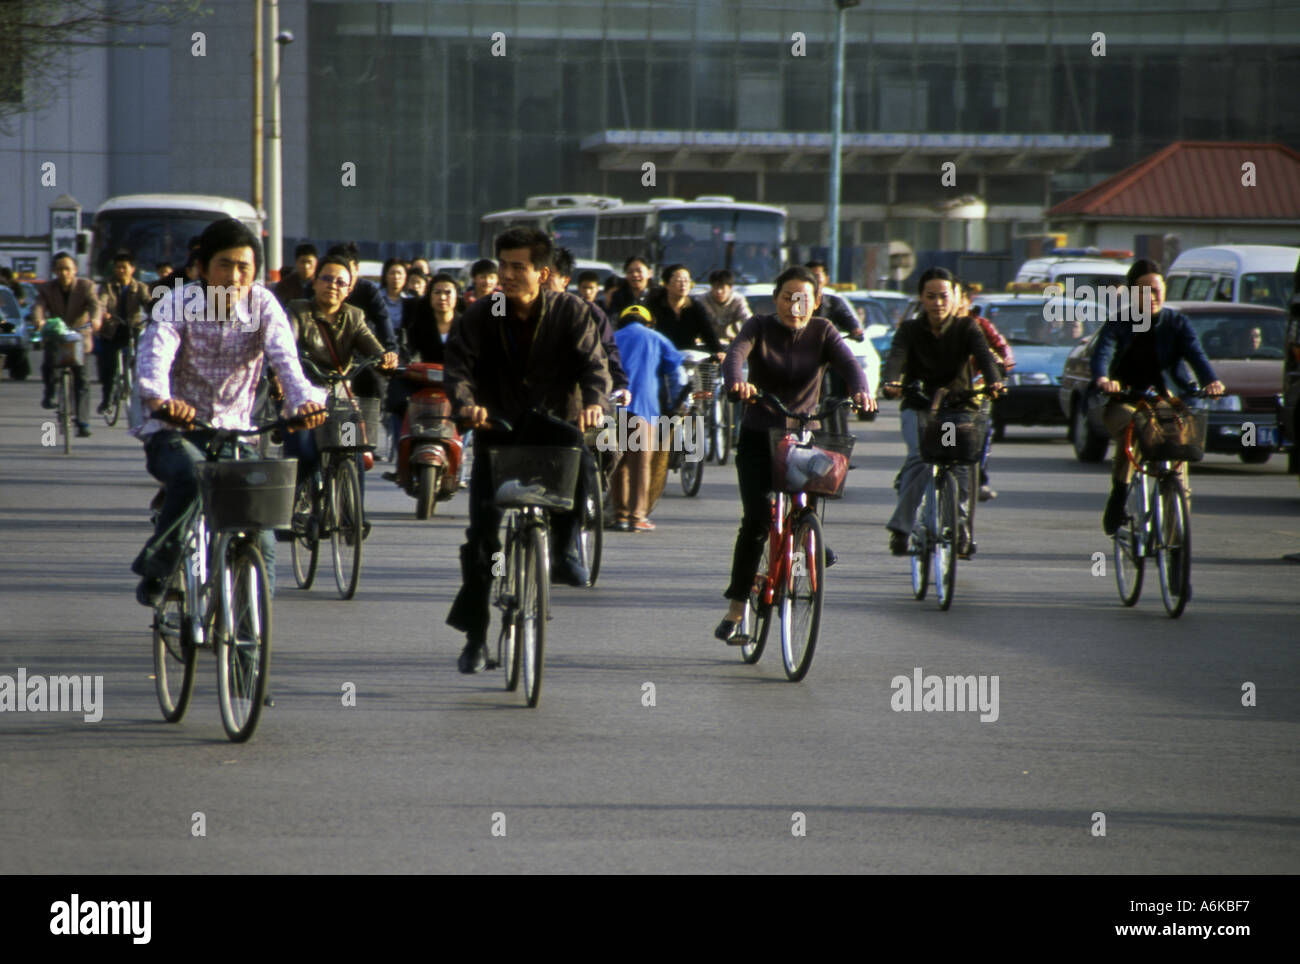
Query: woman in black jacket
x=427, y=323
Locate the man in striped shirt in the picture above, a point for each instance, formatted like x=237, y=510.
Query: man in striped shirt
x=202, y=356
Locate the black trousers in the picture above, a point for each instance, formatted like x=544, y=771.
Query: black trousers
x=754, y=473
x=470, y=610
x=80, y=388
x=108, y=357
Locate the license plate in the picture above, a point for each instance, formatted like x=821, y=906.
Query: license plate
x=1266, y=436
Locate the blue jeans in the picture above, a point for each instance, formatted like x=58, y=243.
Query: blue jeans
x=171, y=457
x=914, y=475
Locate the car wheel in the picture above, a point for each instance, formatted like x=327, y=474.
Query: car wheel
x=1088, y=445
x=1255, y=456
x=999, y=431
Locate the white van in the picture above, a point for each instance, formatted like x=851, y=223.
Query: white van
x=1261, y=274
x=1085, y=267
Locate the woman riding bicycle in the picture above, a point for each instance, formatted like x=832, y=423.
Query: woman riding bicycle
x=328, y=333
x=1139, y=352
x=787, y=354
x=934, y=348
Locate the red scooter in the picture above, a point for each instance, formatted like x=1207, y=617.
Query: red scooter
x=430, y=446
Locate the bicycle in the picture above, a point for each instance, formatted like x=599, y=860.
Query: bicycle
x=952, y=440
x=69, y=354
x=591, y=509
x=687, y=438
x=529, y=481
x=330, y=507
x=119, y=393
x=791, y=571
x=717, y=433
x=1157, y=519
x=217, y=596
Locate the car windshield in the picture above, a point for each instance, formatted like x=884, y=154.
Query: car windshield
x=1240, y=335
x=1271, y=288
x=1088, y=279
x=1039, y=323
x=9, y=309
x=761, y=304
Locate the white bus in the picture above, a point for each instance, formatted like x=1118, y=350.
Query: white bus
x=158, y=227
x=711, y=232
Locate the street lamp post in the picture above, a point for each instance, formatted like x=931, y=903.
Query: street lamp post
x=832, y=232
x=275, y=229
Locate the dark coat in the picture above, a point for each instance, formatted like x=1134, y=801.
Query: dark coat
x=1176, y=341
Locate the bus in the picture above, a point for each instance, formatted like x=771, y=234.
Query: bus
x=711, y=232
x=158, y=227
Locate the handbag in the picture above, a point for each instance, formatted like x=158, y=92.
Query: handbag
x=1168, y=431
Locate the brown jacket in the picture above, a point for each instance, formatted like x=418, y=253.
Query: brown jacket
x=348, y=331
x=78, y=306
x=135, y=313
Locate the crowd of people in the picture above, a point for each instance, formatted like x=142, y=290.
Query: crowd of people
x=519, y=345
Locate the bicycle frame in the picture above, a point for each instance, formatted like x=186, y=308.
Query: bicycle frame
x=1151, y=476
x=781, y=544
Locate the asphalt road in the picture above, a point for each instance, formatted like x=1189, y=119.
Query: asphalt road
x=1102, y=709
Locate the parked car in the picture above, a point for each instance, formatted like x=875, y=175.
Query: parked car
x=1041, y=335
x=15, y=335
x=1291, y=387
x=1250, y=373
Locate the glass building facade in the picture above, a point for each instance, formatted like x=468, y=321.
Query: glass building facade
x=450, y=109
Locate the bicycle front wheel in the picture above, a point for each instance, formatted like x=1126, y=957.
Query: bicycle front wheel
x=947, y=520
x=1175, y=556
x=305, y=549
x=116, y=393
x=534, y=588
x=65, y=413
x=591, y=530
x=801, y=610
x=919, y=544
x=243, y=639
x=174, y=655
x=721, y=429
x=1130, y=557
x=758, y=614
x=345, y=528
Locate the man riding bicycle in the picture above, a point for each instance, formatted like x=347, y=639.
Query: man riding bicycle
x=787, y=354
x=209, y=368
x=1138, y=353
x=517, y=350
x=934, y=348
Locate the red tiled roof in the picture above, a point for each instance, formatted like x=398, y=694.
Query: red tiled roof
x=1197, y=179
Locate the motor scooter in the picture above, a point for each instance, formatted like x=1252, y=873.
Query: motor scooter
x=430, y=447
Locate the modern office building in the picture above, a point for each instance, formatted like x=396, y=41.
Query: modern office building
x=447, y=109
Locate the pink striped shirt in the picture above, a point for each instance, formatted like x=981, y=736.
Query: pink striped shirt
x=215, y=365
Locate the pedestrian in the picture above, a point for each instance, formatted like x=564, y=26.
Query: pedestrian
x=543, y=353
x=73, y=300
x=648, y=357
x=124, y=303
x=483, y=280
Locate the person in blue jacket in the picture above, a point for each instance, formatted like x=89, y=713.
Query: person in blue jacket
x=1139, y=350
x=647, y=356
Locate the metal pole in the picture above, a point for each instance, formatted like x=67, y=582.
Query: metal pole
x=257, y=106
x=275, y=227
x=832, y=232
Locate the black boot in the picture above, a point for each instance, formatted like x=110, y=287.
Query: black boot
x=1114, y=516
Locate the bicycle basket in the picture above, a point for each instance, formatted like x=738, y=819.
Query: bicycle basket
x=66, y=349
x=817, y=467
x=1169, y=431
x=350, y=427
x=535, y=475
x=706, y=377
x=952, y=436
x=248, y=494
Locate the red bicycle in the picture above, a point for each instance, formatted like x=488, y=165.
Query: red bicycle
x=791, y=572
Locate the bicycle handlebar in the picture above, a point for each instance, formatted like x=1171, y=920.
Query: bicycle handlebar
x=333, y=377
x=291, y=422
x=830, y=406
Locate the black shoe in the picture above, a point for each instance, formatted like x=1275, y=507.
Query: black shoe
x=388, y=476
x=965, y=547
x=897, y=542
x=149, y=592
x=103, y=407
x=83, y=431
x=365, y=530
x=727, y=631
x=831, y=557
x=47, y=401
x=1114, y=516
x=268, y=701
x=570, y=572
x=473, y=659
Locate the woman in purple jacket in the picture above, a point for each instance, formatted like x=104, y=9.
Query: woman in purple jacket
x=787, y=353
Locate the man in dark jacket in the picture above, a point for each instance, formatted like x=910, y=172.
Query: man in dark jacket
x=125, y=305
x=1138, y=350
x=298, y=283
x=523, y=348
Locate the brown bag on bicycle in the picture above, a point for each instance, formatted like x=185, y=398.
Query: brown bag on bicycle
x=1167, y=431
